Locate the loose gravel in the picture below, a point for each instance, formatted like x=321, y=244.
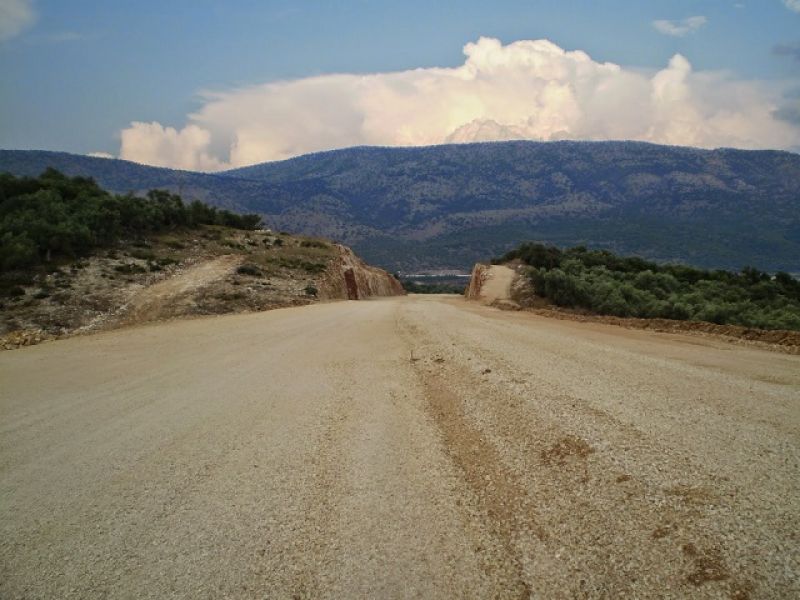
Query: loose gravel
x=416, y=447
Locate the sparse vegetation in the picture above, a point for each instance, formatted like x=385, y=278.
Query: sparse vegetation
x=143, y=254
x=604, y=283
x=250, y=270
x=299, y=264
x=313, y=244
x=130, y=268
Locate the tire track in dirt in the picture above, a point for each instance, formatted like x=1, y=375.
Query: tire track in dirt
x=508, y=509
x=502, y=498
x=509, y=451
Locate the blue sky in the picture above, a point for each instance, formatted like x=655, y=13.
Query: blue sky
x=80, y=72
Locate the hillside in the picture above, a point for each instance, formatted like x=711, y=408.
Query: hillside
x=76, y=259
x=122, y=176
x=207, y=271
x=445, y=207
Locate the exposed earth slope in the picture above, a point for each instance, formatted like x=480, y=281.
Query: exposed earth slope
x=490, y=284
x=211, y=270
x=404, y=447
x=439, y=207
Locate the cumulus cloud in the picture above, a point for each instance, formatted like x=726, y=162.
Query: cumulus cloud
x=525, y=90
x=152, y=143
x=682, y=27
x=15, y=17
x=792, y=5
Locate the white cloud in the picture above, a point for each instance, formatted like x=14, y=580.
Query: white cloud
x=100, y=155
x=151, y=143
x=525, y=90
x=15, y=17
x=792, y=5
x=682, y=27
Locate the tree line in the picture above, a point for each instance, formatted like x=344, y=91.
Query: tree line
x=52, y=216
x=604, y=283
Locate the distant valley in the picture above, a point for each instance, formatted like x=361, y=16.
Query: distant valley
x=444, y=207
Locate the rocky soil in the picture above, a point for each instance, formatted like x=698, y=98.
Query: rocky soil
x=213, y=270
x=417, y=447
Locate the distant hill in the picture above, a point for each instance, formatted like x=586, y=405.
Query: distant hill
x=443, y=207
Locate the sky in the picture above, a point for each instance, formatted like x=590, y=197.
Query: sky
x=209, y=85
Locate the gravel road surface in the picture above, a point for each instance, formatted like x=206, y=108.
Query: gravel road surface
x=419, y=447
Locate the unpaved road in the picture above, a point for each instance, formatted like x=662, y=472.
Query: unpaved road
x=402, y=448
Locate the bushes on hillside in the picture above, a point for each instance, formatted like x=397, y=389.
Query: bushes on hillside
x=54, y=215
x=604, y=283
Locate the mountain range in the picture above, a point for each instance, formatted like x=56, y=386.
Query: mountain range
x=445, y=207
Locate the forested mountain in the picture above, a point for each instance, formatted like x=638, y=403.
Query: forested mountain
x=446, y=206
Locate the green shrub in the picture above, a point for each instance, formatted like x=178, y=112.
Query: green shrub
x=250, y=270
x=313, y=244
x=143, y=255
x=313, y=267
x=604, y=283
x=54, y=215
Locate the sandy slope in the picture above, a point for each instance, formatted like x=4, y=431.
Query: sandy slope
x=490, y=283
x=406, y=447
x=151, y=302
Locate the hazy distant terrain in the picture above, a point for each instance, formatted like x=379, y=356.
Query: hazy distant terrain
x=442, y=207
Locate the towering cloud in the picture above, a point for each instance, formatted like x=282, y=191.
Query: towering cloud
x=524, y=90
x=151, y=143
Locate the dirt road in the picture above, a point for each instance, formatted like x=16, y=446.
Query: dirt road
x=401, y=448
